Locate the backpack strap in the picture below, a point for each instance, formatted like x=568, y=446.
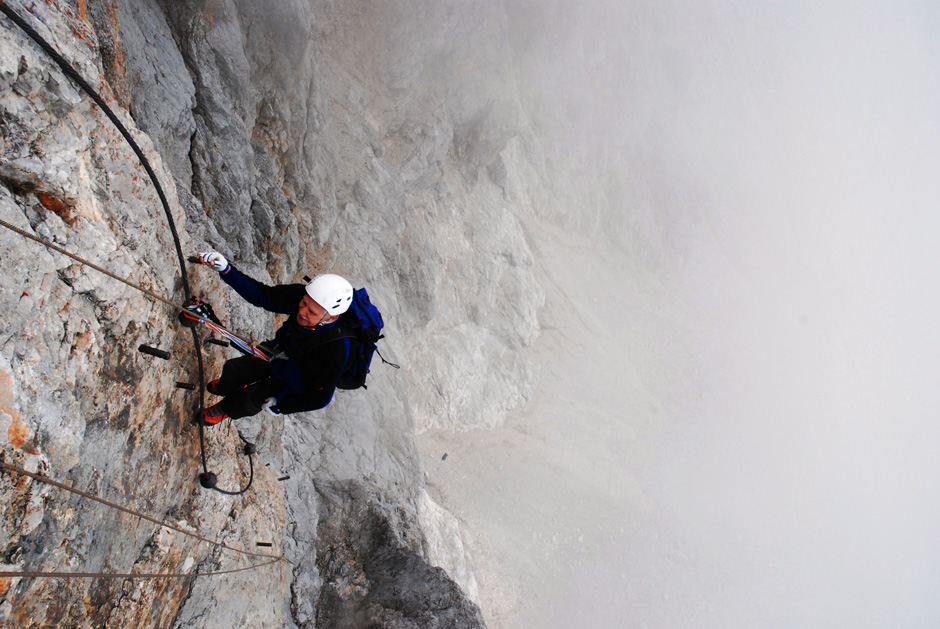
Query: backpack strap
x=390, y=364
x=338, y=332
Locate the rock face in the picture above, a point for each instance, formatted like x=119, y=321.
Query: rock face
x=294, y=137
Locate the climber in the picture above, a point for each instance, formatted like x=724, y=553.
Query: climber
x=303, y=374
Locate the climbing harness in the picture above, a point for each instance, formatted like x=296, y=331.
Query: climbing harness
x=14, y=470
x=206, y=479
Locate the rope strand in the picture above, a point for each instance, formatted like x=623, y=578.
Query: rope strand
x=254, y=349
x=88, y=89
x=13, y=469
x=132, y=575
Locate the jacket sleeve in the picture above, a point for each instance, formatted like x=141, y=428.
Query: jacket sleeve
x=283, y=298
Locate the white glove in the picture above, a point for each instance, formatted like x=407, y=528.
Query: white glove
x=215, y=260
x=270, y=405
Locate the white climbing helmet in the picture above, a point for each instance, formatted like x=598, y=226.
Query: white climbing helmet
x=332, y=292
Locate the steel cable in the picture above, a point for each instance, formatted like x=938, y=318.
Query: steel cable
x=69, y=71
x=13, y=469
x=132, y=575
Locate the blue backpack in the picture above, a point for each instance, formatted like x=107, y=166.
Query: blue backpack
x=362, y=324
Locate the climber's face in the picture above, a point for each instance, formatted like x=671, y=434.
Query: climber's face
x=310, y=314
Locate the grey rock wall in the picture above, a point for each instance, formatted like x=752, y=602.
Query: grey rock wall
x=80, y=404
x=382, y=141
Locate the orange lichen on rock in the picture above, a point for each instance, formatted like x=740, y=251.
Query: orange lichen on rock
x=17, y=433
x=54, y=204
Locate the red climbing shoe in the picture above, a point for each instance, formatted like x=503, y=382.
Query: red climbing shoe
x=212, y=415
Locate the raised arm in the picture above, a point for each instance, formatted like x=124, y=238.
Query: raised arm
x=283, y=298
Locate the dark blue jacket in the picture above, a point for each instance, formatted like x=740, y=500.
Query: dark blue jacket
x=306, y=374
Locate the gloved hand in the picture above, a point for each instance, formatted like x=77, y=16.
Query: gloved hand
x=215, y=260
x=270, y=405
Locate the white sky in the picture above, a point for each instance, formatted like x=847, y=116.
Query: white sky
x=747, y=436
x=806, y=474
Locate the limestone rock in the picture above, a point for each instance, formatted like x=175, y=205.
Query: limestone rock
x=294, y=137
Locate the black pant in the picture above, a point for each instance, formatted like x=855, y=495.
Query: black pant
x=246, y=383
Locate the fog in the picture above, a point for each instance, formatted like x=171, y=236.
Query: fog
x=807, y=473
x=736, y=425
